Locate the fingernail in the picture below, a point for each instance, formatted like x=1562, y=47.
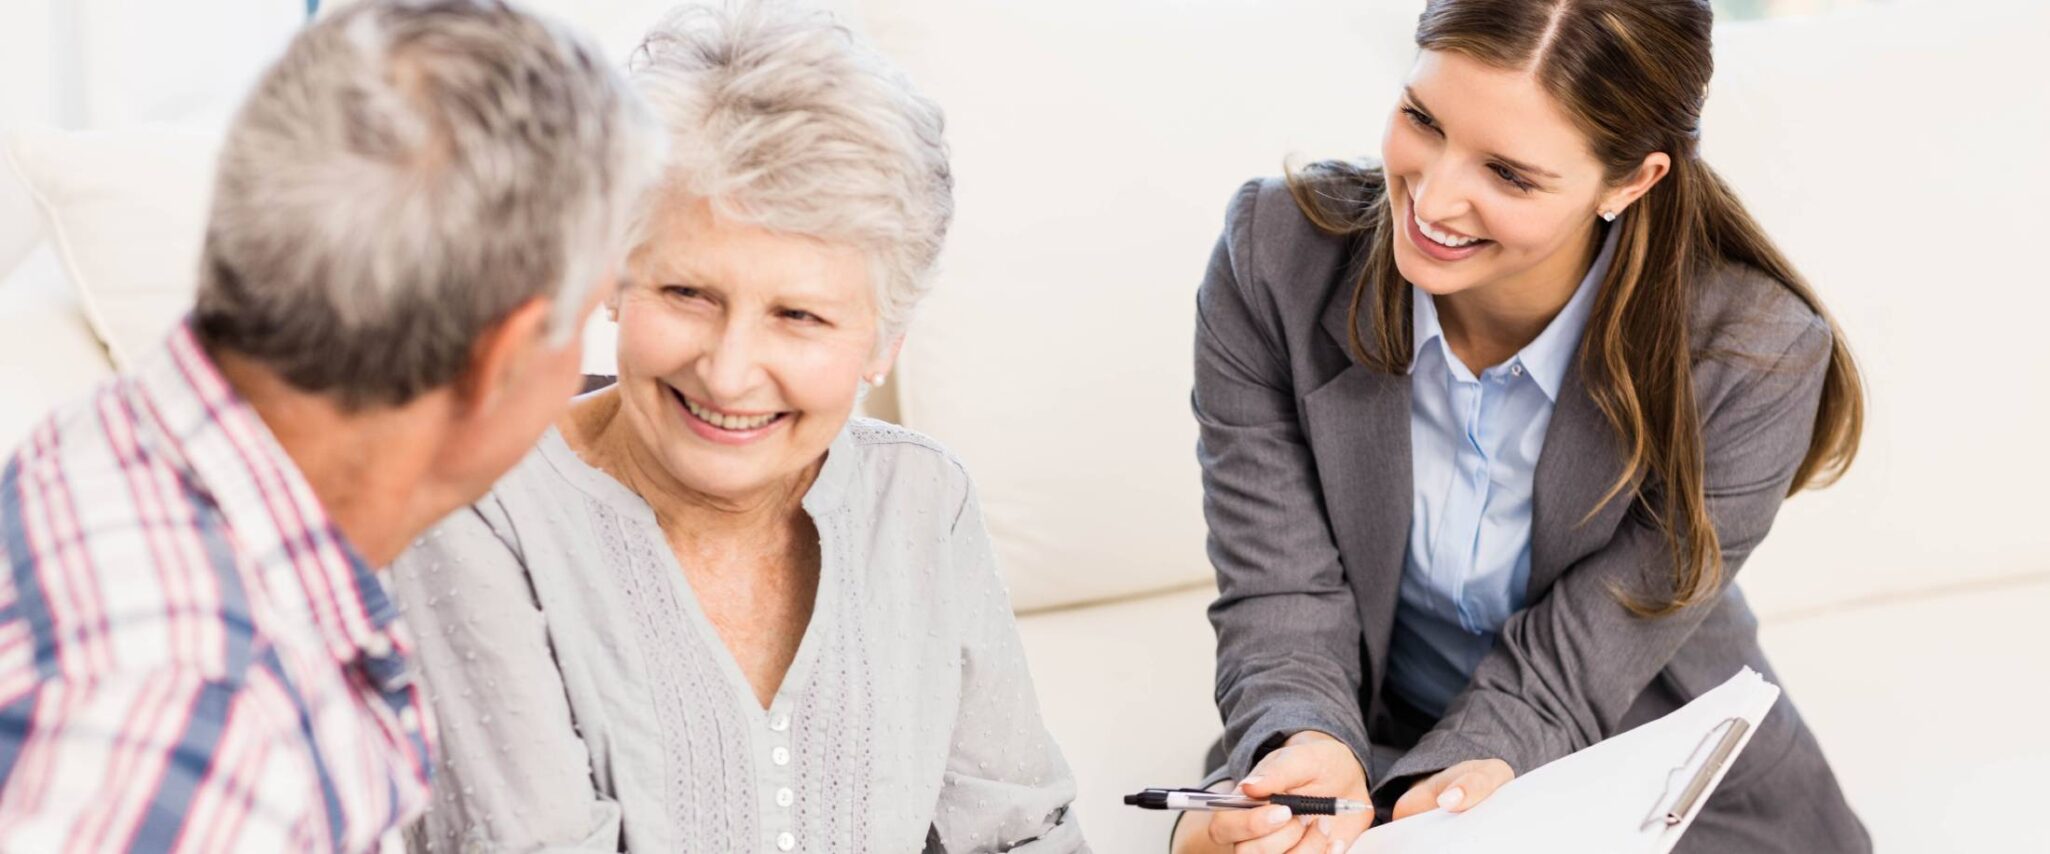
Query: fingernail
x=1337, y=847
x=1249, y=781
x=1324, y=827
x=1277, y=814
x=1450, y=798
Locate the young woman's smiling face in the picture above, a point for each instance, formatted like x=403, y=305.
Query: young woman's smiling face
x=1490, y=182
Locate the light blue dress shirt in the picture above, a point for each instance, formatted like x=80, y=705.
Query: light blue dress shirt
x=1474, y=445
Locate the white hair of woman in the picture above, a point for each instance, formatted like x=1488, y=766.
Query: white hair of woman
x=782, y=119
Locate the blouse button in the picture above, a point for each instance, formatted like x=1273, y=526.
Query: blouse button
x=781, y=723
x=785, y=841
x=780, y=756
x=784, y=797
x=410, y=719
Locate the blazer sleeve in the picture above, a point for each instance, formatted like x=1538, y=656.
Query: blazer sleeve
x=1288, y=633
x=1566, y=668
x=515, y=775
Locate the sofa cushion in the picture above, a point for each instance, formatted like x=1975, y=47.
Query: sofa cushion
x=125, y=211
x=1094, y=148
x=1893, y=153
x=48, y=355
x=21, y=226
x=1929, y=708
x=1125, y=689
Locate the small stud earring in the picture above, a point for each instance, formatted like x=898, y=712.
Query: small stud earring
x=1608, y=216
x=877, y=380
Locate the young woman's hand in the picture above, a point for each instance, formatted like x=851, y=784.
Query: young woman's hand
x=1309, y=763
x=1456, y=788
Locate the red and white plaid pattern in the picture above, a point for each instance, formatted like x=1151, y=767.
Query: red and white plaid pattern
x=191, y=656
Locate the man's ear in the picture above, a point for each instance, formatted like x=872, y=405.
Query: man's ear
x=500, y=351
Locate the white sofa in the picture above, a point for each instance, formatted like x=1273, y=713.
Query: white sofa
x=1892, y=151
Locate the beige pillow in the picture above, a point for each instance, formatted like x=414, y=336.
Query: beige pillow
x=48, y=355
x=125, y=212
x=1095, y=148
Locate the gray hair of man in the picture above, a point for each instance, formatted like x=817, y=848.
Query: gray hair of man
x=405, y=176
x=780, y=117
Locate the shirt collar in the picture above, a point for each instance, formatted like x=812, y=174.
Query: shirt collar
x=277, y=522
x=837, y=475
x=1547, y=357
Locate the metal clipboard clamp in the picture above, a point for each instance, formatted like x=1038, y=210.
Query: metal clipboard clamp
x=1670, y=810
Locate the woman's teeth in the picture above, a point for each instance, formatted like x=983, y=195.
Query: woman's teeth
x=1441, y=238
x=728, y=422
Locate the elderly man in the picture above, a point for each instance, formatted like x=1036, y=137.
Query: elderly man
x=415, y=212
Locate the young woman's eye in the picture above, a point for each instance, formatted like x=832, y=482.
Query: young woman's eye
x=1509, y=175
x=1417, y=117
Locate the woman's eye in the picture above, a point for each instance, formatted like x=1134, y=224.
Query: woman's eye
x=800, y=315
x=682, y=291
x=1506, y=174
x=1418, y=118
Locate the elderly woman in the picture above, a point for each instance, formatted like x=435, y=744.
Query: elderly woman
x=711, y=612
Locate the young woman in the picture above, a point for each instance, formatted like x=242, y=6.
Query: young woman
x=1487, y=430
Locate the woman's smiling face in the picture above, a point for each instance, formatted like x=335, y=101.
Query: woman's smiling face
x=1489, y=181
x=741, y=349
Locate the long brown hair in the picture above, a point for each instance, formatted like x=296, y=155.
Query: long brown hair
x=1633, y=75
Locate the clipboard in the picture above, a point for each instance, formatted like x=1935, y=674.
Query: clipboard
x=1634, y=793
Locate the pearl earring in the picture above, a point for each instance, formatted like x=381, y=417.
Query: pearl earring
x=1608, y=216
x=876, y=380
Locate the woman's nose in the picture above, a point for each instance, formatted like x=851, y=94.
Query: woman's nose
x=1437, y=195
x=729, y=368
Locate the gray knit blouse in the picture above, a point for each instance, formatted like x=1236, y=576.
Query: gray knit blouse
x=586, y=703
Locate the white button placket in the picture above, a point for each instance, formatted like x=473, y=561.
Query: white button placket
x=781, y=818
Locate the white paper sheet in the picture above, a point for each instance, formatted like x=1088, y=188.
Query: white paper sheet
x=1595, y=800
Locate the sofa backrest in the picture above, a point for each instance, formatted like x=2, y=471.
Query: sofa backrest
x=1892, y=151
x=1897, y=154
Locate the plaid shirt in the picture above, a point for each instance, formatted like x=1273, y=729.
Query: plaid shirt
x=192, y=658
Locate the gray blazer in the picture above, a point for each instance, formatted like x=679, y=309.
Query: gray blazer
x=1307, y=488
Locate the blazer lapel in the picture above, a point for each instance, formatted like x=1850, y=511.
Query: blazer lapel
x=1359, y=434
x=1581, y=459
